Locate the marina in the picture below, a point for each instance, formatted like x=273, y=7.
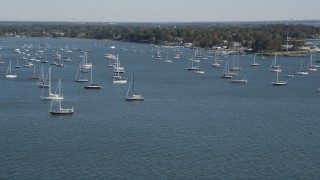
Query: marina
x=188, y=126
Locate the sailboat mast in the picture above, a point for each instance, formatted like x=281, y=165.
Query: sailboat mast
x=49, y=80
x=133, y=83
x=59, y=94
x=91, y=75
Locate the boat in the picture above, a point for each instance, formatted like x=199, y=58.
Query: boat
x=41, y=81
x=216, y=63
x=289, y=75
x=51, y=95
x=35, y=76
x=130, y=96
x=117, y=79
x=85, y=63
x=254, y=61
x=302, y=72
x=226, y=73
x=92, y=86
x=312, y=67
x=28, y=64
x=79, y=75
x=176, y=56
x=1, y=61
x=158, y=56
x=117, y=67
x=198, y=70
x=60, y=110
x=17, y=66
x=278, y=82
x=235, y=68
x=167, y=59
x=9, y=74
x=274, y=66
x=237, y=79
x=44, y=61
x=191, y=65
x=262, y=57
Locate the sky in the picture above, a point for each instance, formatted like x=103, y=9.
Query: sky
x=158, y=11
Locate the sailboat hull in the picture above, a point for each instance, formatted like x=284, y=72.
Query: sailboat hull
x=62, y=112
x=93, y=86
x=135, y=98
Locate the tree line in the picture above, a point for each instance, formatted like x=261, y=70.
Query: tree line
x=257, y=37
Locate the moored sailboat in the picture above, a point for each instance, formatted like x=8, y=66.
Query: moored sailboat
x=9, y=74
x=60, y=110
x=131, y=96
x=92, y=86
x=51, y=95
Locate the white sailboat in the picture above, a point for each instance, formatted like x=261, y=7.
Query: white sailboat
x=216, y=63
x=167, y=59
x=262, y=57
x=191, y=64
x=274, y=66
x=41, y=81
x=85, y=63
x=60, y=110
x=312, y=67
x=237, y=79
x=1, y=61
x=17, y=66
x=302, y=72
x=278, y=82
x=237, y=67
x=117, y=67
x=92, y=86
x=79, y=75
x=130, y=93
x=9, y=74
x=226, y=73
x=35, y=76
x=51, y=95
x=117, y=79
x=254, y=61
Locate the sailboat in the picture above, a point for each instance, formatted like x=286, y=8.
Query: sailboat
x=216, y=63
x=92, y=86
x=17, y=66
x=191, y=65
x=237, y=79
x=279, y=83
x=198, y=70
x=1, y=61
x=117, y=68
x=51, y=95
x=167, y=59
x=117, y=79
x=274, y=66
x=312, y=67
x=262, y=57
x=9, y=74
x=237, y=67
x=254, y=61
x=35, y=76
x=302, y=72
x=130, y=93
x=226, y=73
x=60, y=110
x=79, y=76
x=85, y=63
x=158, y=56
x=41, y=81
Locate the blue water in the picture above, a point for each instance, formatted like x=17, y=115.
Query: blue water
x=189, y=126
